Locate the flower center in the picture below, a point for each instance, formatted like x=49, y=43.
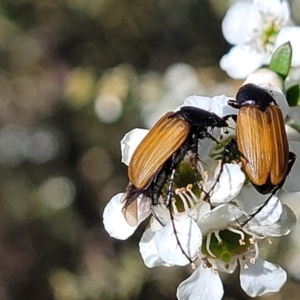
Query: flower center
x=225, y=244
x=270, y=31
x=187, y=192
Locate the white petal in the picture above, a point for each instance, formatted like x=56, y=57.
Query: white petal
x=220, y=217
x=290, y=34
x=189, y=236
x=228, y=268
x=249, y=201
x=113, y=219
x=278, y=9
x=261, y=278
x=229, y=185
x=217, y=104
x=292, y=79
x=240, y=61
x=283, y=226
x=234, y=27
x=130, y=142
x=207, y=144
x=292, y=134
x=264, y=75
x=197, y=101
x=203, y=284
x=202, y=209
x=149, y=251
x=269, y=214
x=294, y=113
x=162, y=216
x=293, y=179
x=279, y=97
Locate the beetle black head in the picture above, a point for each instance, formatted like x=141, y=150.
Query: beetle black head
x=251, y=94
x=200, y=118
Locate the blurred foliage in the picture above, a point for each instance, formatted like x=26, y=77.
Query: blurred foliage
x=75, y=76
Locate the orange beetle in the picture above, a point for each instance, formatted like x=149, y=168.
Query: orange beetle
x=262, y=140
x=159, y=154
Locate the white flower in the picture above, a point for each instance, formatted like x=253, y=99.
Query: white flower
x=264, y=75
x=267, y=26
x=179, y=240
x=115, y=222
x=225, y=245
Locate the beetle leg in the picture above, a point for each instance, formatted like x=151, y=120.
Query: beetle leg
x=176, y=159
x=234, y=117
x=292, y=159
x=208, y=194
x=177, y=239
x=231, y=144
x=170, y=188
x=169, y=202
x=156, y=217
x=157, y=184
x=210, y=136
x=194, y=150
x=232, y=147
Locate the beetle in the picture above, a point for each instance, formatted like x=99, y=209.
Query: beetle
x=159, y=154
x=261, y=140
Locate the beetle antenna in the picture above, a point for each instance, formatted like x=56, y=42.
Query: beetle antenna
x=177, y=238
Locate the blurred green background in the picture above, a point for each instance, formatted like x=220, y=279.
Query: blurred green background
x=75, y=76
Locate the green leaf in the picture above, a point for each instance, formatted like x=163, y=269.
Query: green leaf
x=293, y=95
x=281, y=60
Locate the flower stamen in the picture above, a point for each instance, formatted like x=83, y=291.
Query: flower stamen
x=189, y=190
x=256, y=251
x=239, y=232
x=215, y=271
x=187, y=197
x=252, y=260
x=208, y=245
x=220, y=241
x=174, y=207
